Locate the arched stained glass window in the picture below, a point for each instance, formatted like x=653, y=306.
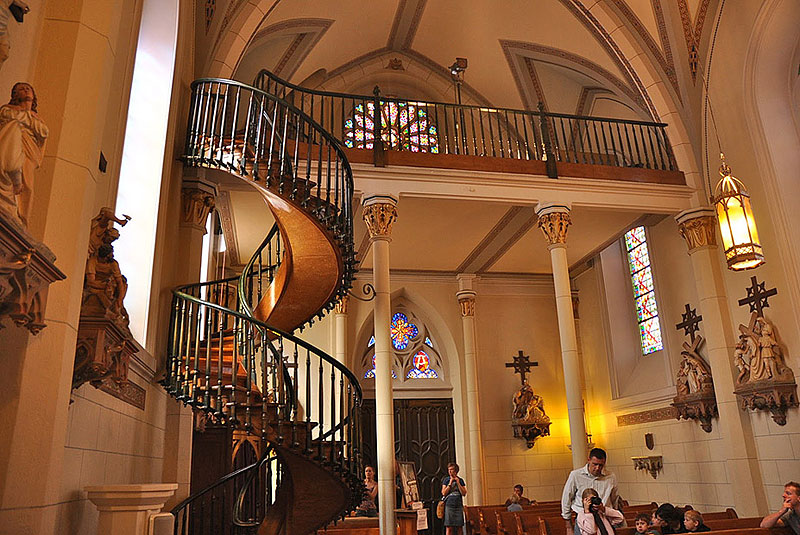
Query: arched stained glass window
x=421, y=367
x=404, y=126
x=413, y=353
x=402, y=331
x=643, y=290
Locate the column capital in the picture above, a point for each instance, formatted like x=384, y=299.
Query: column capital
x=698, y=227
x=554, y=220
x=341, y=305
x=198, y=198
x=380, y=213
x=144, y=497
x=466, y=298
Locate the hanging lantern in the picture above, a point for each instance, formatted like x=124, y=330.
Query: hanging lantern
x=736, y=222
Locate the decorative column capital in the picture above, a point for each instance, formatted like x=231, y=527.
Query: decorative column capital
x=554, y=221
x=341, y=305
x=466, y=298
x=698, y=227
x=380, y=213
x=198, y=198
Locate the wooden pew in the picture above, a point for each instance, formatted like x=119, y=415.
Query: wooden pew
x=481, y=519
x=715, y=525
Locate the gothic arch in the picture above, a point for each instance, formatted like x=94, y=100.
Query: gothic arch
x=452, y=359
x=770, y=88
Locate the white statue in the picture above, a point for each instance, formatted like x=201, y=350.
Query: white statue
x=22, y=138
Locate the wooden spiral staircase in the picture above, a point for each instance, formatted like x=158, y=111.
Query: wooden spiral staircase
x=232, y=355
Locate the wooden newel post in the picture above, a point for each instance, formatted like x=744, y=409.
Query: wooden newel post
x=550, y=162
x=378, y=155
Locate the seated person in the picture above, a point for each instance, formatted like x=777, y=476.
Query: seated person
x=596, y=518
x=643, y=527
x=668, y=519
x=789, y=513
x=518, y=492
x=513, y=504
x=693, y=522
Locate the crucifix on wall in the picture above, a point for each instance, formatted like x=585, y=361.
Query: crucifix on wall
x=528, y=418
x=522, y=365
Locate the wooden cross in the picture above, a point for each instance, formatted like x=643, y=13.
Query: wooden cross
x=757, y=296
x=690, y=323
x=522, y=365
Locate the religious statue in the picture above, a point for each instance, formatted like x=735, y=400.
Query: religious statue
x=695, y=399
x=528, y=418
x=764, y=381
x=22, y=138
x=105, y=343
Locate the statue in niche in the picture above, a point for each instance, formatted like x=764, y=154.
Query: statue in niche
x=104, y=286
x=22, y=139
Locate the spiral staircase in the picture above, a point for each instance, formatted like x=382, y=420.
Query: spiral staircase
x=232, y=354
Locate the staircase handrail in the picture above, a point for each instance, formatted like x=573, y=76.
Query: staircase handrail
x=299, y=341
x=265, y=457
x=294, y=87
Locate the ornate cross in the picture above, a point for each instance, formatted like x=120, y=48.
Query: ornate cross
x=522, y=365
x=690, y=323
x=757, y=296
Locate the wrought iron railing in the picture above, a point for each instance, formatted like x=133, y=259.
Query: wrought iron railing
x=234, y=505
x=382, y=123
x=221, y=359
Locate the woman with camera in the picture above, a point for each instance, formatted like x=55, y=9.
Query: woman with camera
x=596, y=518
x=453, y=491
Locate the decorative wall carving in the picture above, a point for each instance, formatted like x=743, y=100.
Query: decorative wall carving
x=196, y=203
x=695, y=399
x=528, y=419
x=652, y=464
x=646, y=417
x=699, y=231
x=379, y=218
x=554, y=225
x=764, y=382
x=105, y=343
x=27, y=267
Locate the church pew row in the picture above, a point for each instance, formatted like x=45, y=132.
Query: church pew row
x=715, y=525
x=555, y=526
x=527, y=521
x=482, y=519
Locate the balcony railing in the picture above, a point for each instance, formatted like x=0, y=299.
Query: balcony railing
x=386, y=123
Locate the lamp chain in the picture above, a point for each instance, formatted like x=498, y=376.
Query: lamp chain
x=707, y=105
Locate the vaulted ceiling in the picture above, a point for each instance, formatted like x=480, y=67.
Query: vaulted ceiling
x=630, y=59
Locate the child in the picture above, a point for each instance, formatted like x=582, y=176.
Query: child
x=643, y=526
x=596, y=518
x=693, y=521
x=513, y=504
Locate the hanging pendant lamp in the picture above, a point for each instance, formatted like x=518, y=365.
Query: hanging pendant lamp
x=736, y=222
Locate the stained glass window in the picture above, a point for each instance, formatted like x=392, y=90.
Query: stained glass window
x=402, y=331
x=643, y=290
x=428, y=342
x=421, y=367
x=370, y=374
x=404, y=126
x=371, y=341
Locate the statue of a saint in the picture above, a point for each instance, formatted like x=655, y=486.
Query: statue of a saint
x=22, y=138
x=768, y=346
x=104, y=286
x=103, y=231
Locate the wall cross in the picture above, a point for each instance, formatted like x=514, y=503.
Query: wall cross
x=690, y=323
x=522, y=365
x=757, y=296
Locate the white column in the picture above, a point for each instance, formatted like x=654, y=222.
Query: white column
x=126, y=509
x=554, y=221
x=738, y=449
x=466, y=299
x=340, y=330
x=379, y=215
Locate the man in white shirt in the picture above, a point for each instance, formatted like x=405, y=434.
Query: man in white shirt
x=593, y=476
